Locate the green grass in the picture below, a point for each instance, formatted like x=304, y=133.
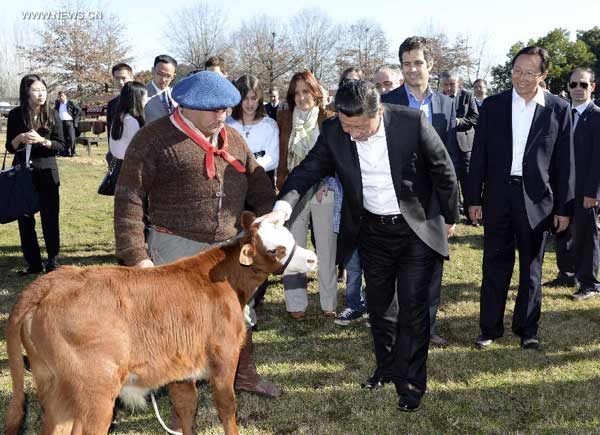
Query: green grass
x=502, y=390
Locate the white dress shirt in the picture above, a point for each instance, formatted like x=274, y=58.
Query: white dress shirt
x=580, y=109
x=167, y=93
x=119, y=146
x=522, y=117
x=64, y=112
x=379, y=195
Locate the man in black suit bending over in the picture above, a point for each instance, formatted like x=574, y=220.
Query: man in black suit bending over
x=521, y=182
x=400, y=203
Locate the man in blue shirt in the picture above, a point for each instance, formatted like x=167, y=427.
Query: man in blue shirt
x=416, y=61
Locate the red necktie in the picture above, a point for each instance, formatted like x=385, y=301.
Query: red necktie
x=208, y=148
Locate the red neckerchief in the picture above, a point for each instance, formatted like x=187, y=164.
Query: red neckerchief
x=208, y=148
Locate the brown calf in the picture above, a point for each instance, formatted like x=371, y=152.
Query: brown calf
x=95, y=333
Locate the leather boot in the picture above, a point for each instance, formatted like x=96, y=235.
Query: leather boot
x=246, y=378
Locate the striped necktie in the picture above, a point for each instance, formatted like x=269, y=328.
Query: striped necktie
x=167, y=102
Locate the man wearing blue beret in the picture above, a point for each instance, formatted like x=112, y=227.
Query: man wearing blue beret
x=199, y=175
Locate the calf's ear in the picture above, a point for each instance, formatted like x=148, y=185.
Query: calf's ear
x=247, y=218
x=246, y=255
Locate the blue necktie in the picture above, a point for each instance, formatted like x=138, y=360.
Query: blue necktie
x=167, y=102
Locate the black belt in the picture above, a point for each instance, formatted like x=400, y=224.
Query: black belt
x=515, y=179
x=387, y=219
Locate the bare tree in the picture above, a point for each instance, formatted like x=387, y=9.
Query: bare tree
x=315, y=37
x=77, y=54
x=197, y=32
x=480, y=60
x=446, y=55
x=12, y=66
x=263, y=48
x=363, y=45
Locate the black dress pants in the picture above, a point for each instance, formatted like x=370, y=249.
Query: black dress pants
x=501, y=233
x=462, y=173
x=565, y=254
x=49, y=208
x=69, y=135
x=586, y=246
x=397, y=263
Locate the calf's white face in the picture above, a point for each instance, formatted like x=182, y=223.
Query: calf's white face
x=274, y=237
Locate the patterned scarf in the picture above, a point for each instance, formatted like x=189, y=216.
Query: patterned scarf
x=303, y=137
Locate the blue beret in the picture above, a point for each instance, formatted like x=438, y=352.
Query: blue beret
x=205, y=90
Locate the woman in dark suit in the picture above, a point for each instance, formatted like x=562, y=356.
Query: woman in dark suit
x=34, y=125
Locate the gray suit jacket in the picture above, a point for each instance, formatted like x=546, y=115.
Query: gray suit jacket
x=151, y=89
x=467, y=114
x=155, y=108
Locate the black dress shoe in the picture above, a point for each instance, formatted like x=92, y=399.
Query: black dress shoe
x=532, y=343
x=562, y=280
x=52, y=265
x=29, y=271
x=406, y=404
x=375, y=382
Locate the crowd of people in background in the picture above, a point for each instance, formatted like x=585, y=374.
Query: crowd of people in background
x=378, y=177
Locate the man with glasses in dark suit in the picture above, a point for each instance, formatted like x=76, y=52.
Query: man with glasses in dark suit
x=521, y=183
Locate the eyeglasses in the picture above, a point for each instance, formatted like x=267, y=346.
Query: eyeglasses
x=165, y=75
x=582, y=85
x=528, y=74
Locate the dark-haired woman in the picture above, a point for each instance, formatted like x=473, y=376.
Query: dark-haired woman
x=128, y=119
x=34, y=133
x=261, y=134
x=259, y=131
x=299, y=127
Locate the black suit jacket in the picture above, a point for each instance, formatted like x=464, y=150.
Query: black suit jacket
x=466, y=119
x=111, y=112
x=73, y=110
x=272, y=110
x=41, y=157
x=422, y=173
x=548, y=170
x=586, y=143
x=443, y=117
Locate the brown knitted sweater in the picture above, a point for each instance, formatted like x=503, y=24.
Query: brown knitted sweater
x=163, y=164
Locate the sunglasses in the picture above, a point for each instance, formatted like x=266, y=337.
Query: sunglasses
x=583, y=85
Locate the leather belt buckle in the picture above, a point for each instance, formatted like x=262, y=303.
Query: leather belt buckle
x=515, y=179
x=389, y=220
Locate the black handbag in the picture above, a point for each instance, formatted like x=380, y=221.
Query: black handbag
x=18, y=196
x=109, y=182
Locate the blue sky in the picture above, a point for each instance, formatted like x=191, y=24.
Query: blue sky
x=504, y=22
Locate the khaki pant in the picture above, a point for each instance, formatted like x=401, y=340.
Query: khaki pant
x=296, y=298
x=165, y=248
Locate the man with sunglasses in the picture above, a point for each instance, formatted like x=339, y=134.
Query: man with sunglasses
x=584, y=256
x=521, y=183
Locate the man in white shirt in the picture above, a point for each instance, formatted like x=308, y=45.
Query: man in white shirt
x=398, y=209
x=69, y=115
x=159, y=92
x=521, y=183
